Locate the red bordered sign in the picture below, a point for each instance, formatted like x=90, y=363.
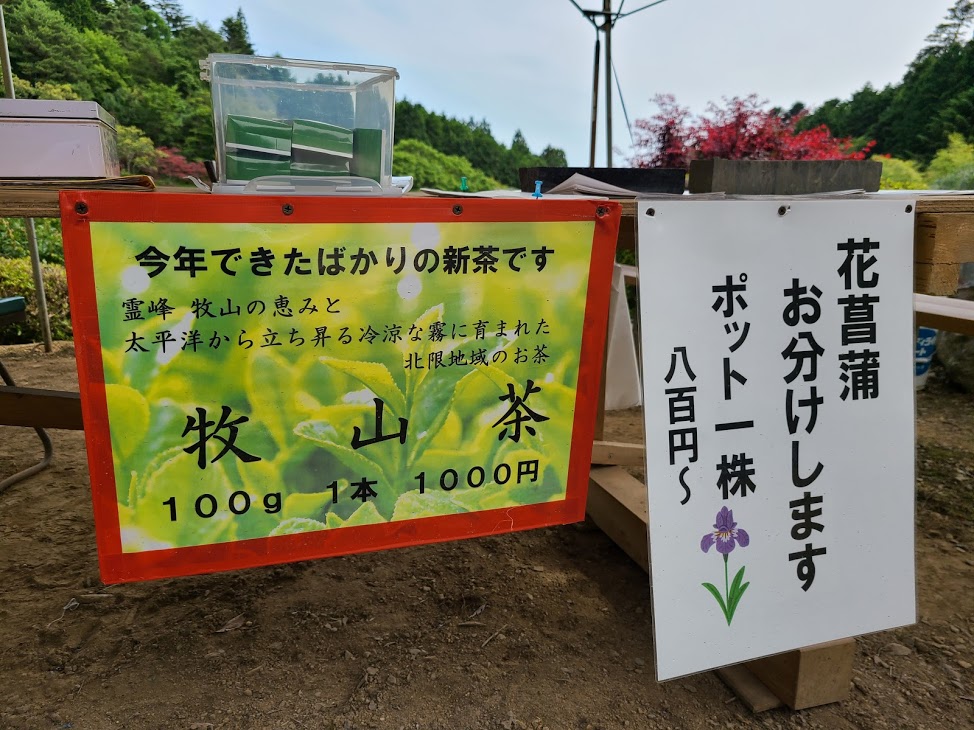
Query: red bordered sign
x=267, y=379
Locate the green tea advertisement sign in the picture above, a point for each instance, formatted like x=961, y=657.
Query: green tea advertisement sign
x=266, y=379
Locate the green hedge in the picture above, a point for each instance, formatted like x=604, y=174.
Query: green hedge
x=13, y=239
x=16, y=280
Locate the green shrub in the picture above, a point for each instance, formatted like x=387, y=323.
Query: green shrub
x=16, y=280
x=956, y=157
x=960, y=179
x=13, y=239
x=433, y=169
x=900, y=174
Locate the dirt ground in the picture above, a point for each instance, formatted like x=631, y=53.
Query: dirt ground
x=542, y=629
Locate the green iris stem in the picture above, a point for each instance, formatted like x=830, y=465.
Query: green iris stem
x=727, y=590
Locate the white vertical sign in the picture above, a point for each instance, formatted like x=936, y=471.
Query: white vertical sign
x=777, y=341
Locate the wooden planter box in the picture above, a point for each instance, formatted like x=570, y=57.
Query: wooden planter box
x=780, y=177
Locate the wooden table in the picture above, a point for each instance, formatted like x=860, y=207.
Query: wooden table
x=944, y=240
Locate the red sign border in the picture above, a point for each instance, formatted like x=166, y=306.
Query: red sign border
x=80, y=208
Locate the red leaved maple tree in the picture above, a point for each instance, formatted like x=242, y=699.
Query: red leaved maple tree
x=172, y=164
x=741, y=130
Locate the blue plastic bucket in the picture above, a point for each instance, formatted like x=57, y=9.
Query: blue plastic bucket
x=925, y=349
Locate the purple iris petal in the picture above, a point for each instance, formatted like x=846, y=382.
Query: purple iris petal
x=725, y=543
x=707, y=542
x=725, y=534
x=725, y=520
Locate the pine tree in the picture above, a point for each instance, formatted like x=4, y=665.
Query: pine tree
x=234, y=32
x=172, y=12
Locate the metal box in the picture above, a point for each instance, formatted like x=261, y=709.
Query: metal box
x=51, y=139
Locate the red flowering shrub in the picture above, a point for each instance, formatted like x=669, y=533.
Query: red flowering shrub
x=172, y=164
x=742, y=130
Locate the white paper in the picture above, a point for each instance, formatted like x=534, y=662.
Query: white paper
x=865, y=580
x=621, y=365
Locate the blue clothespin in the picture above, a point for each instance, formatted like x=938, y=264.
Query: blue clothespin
x=537, y=189
x=463, y=185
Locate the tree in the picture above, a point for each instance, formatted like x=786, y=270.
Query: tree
x=158, y=109
x=172, y=12
x=46, y=47
x=80, y=13
x=139, y=60
x=959, y=20
x=137, y=154
x=472, y=140
x=912, y=119
x=956, y=157
x=432, y=169
x=520, y=154
x=740, y=130
x=553, y=157
x=24, y=89
x=663, y=139
x=410, y=121
x=235, y=34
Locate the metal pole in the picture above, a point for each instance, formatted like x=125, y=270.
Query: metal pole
x=35, y=258
x=35, y=265
x=595, y=101
x=8, y=81
x=607, y=14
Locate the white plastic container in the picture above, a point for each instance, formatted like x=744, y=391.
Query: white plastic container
x=56, y=139
x=339, y=116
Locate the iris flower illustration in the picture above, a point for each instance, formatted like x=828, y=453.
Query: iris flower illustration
x=726, y=536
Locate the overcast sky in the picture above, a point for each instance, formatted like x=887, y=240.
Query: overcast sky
x=527, y=64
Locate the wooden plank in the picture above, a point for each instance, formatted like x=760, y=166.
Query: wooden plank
x=599, y=431
x=627, y=229
x=630, y=273
x=43, y=203
x=617, y=504
x=936, y=279
x=951, y=315
x=945, y=204
x=40, y=408
x=29, y=204
x=783, y=177
x=944, y=238
x=808, y=677
x=618, y=454
x=751, y=690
